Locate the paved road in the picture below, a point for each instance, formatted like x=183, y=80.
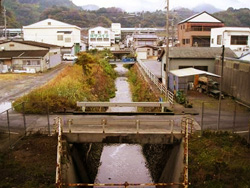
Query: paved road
x=10, y=90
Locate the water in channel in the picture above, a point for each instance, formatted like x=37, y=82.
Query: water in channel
x=122, y=162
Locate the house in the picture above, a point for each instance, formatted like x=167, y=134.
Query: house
x=100, y=38
x=28, y=55
x=56, y=33
x=195, y=30
x=236, y=38
x=201, y=58
x=147, y=51
x=144, y=39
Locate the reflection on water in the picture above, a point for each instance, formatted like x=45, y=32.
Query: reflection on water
x=122, y=162
x=5, y=106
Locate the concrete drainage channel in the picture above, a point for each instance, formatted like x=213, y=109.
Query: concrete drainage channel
x=102, y=165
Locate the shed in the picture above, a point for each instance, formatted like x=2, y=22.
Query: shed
x=179, y=79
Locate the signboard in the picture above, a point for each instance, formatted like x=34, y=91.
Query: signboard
x=99, y=36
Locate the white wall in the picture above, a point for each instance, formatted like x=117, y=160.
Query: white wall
x=226, y=34
x=47, y=31
x=99, y=37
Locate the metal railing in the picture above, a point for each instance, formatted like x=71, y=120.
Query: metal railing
x=163, y=89
x=113, y=125
x=161, y=105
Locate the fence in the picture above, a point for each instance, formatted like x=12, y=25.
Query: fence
x=234, y=117
x=163, y=89
x=15, y=123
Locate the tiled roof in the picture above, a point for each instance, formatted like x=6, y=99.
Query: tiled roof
x=22, y=54
x=33, y=43
x=199, y=52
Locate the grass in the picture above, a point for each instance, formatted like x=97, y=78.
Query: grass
x=219, y=160
x=140, y=89
x=85, y=81
x=10, y=76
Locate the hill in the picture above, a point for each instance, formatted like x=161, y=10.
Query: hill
x=29, y=11
x=206, y=7
x=235, y=17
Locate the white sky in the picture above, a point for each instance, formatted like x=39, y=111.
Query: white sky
x=151, y=5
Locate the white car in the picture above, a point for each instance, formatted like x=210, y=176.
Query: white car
x=69, y=57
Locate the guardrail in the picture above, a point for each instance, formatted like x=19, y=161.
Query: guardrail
x=123, y=104
x=163, y=89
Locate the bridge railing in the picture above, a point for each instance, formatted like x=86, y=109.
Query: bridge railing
x=135, y=126
x=161, y=105
x=163, y=89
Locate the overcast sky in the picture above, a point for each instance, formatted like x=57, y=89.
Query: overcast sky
x=151, y=5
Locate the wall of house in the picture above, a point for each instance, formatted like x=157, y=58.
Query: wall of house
x=141, y=55
x=50, y=35
x=176, y=63
x=236, y=76
x=99, y=37
x=17, y=46
x=226, y=38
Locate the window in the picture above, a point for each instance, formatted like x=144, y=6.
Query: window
x=67, y=39
x=49, y=23
x=219, y=39
x=183, y=26
x=99, y=39
x=31, y=62
x=93, y=39
x=239, y=40
x=187, y=41
x=59, y=37
x=92, y=32
x=99, y=32
x=183, y=41
x=212, y=41
x=106, y=39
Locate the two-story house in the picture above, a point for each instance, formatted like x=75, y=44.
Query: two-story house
x=100, y=38
x=196, y=30
x=236, y=38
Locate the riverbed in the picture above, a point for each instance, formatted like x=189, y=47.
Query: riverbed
x=122, y=162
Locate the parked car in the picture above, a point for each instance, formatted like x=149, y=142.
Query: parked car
x=69, y=57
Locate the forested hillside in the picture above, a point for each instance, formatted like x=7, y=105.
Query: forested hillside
x=25, y=12
x=235, y=17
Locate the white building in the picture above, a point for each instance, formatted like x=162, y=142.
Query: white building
x=55, y=32
x=116, y=28
x=236, y=38
x=100, y=38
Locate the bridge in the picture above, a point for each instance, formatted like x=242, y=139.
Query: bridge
x=130, y=130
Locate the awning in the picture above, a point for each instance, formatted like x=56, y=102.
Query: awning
x=191, y=72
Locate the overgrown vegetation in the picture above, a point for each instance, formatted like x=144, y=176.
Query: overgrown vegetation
x=90, y=79
x=140, y=89
x=219, y=160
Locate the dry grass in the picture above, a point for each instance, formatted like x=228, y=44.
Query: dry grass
x=10, y=77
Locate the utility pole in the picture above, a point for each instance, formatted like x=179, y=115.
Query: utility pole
x=167, y=44
x=221, y=80
x=5, y=23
